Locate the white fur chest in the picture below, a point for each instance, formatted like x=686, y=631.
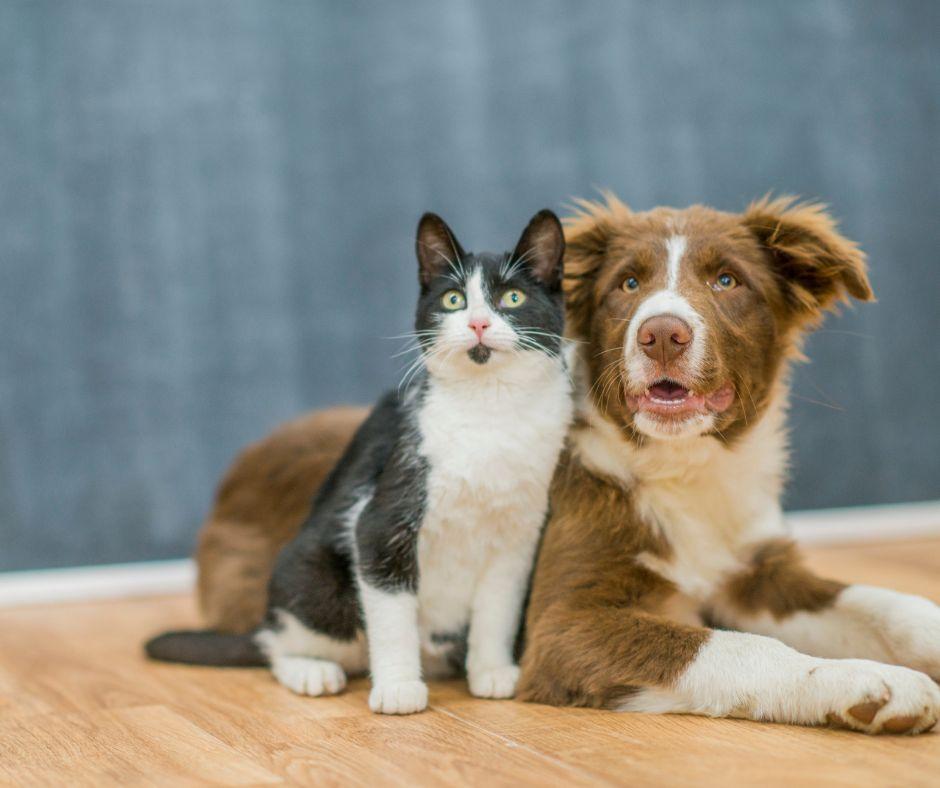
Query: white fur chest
x=491, y=449
x=708, y=500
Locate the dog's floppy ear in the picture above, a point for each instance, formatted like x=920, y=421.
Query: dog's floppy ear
x=818, y=266
x=587, y=234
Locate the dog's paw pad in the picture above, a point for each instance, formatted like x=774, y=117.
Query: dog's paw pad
x=900, y=724
x=865, y=712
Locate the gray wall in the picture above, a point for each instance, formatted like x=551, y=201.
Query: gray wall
x=206, y=216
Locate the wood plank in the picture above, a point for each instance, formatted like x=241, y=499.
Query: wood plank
x=80, y=705
x=147, y=745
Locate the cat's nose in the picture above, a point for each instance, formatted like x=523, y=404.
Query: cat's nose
x=479, y=325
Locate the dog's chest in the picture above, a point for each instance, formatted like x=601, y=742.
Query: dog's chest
x=709, y=502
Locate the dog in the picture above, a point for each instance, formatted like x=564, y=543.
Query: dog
x=666, y=581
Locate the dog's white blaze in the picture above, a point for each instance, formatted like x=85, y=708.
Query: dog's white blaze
x=675, y=249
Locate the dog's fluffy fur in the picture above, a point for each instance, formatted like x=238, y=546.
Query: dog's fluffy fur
x=666, y=510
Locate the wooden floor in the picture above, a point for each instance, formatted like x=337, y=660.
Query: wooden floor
x=80, y=706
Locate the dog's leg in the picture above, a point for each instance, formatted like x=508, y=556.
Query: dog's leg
x=778, y=596
x=633, y=661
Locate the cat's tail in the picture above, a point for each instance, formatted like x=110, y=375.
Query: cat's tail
x=206, y=647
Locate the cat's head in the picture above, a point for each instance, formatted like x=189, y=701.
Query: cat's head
x=483, y=311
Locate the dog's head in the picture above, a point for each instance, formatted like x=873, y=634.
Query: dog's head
x=689, y=315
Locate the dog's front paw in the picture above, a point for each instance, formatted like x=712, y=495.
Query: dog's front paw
x=499, y=682
x=874, y=698
x=399, y=697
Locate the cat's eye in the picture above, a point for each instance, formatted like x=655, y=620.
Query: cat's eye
x=724, y=281
x=631, y=283
x=512, y=298
x=453, y=300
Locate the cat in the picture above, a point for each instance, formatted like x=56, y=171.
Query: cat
x=416, y=558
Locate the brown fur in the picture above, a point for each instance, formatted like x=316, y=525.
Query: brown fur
x=259, y=506
x=777, y=582
x=594, y=633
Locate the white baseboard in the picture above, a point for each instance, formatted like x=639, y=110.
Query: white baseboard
x=866, y=523
x=147, y=578
x=150, y=578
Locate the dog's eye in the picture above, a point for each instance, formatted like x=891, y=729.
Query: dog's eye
x=725, y=281
x=631, y=283
x=453, y=299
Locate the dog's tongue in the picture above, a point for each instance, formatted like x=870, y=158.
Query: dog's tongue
x=668, y=391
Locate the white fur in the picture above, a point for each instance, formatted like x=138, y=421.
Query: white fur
x=292, y=639
x=709, y=500
x=744, y=675
x=309, y=662
x=676, y=246
x=874, y=623
x=492, y=442
x=394, y=650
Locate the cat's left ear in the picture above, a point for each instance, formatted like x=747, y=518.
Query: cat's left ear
x=437, y=248
x=542, y=247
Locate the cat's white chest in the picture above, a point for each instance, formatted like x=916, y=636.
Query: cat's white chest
x=491, y=454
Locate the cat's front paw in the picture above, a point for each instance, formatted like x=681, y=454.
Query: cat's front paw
x=499, y=682
x=399, y=697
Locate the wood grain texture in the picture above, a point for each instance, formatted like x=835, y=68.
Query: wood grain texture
x=79, y=705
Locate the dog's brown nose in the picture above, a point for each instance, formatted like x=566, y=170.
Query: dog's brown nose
x=664, y=338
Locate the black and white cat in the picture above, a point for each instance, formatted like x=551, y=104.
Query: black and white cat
x=416, y=557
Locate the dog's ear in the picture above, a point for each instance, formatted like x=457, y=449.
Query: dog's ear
x=587, y=235
x=436, y=247
x=817, y=265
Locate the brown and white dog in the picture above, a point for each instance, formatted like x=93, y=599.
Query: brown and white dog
x=666, y=582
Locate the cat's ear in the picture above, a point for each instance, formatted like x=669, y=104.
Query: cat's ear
x=437, y=248
x=541, y=248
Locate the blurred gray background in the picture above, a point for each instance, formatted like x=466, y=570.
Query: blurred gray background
x=207, y=208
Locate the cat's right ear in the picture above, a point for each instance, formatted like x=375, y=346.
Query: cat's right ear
x=437, y=248
x=542, y=247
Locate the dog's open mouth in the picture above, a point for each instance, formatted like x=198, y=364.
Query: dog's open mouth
x=669, y=399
